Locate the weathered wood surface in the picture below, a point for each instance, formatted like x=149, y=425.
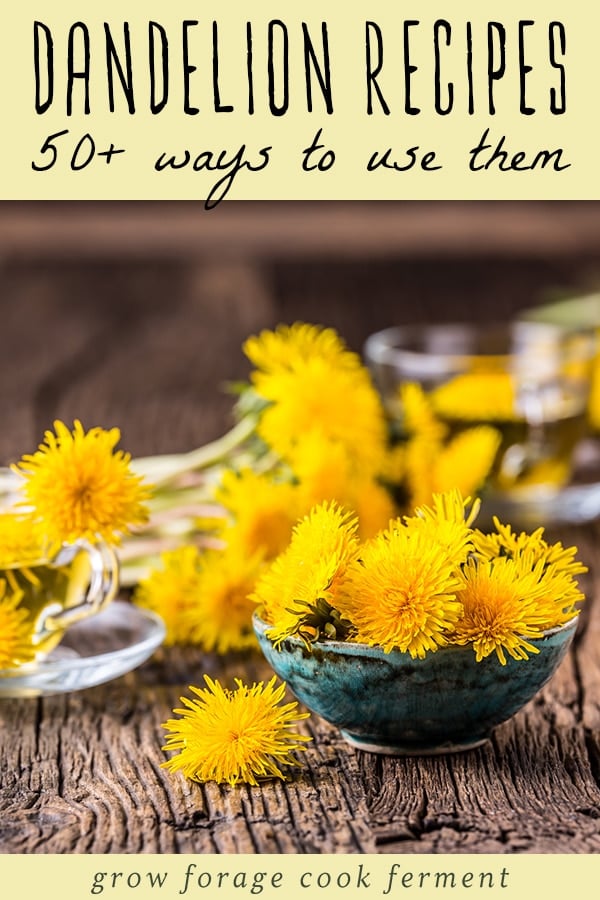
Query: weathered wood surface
x=146, y=346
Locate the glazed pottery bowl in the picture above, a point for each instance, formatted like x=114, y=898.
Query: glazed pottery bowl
x=390, y=703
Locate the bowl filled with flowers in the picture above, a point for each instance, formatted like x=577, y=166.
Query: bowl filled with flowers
x=423, y=638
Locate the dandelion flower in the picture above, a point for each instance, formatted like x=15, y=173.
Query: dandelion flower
x=315, y=397
x=446, y=523
x=306, y=375
x=79, y=486
x=327, y=470
x=500, y=599
x=305, y=579
x=261, y=511
x=484, y=396
x=467, y=460
x=221, y=619
x=505, y=542
x=20, y=541
x=203, y=598
x=402, y=593
x=556, y=565
x=464, y=462
x=417, y=413
x=234, y=736
x=16, y=630
x=420, y=457
x=292, y=345
x=171, y=589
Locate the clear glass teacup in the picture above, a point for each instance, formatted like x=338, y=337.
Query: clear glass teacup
x=527, y=381
x=51, y=592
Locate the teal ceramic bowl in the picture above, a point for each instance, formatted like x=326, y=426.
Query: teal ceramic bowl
x=390, y=703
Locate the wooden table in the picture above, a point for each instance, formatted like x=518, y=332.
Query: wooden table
x=144, y=345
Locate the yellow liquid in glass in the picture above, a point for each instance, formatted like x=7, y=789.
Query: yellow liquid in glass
x=46, y=589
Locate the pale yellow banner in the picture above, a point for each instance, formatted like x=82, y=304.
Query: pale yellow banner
x=426, y=877
x=318, y=100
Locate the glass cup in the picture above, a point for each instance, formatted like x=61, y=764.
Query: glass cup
x=77, y=582
x=528, y=381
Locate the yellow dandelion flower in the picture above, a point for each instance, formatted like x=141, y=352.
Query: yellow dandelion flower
x=501, y=611
x=16, y=630
x=234, y=736
x=401, y=594
x=556, y=566
x=483, y=396
x=170, y=589
x=446, y=523
x=420, y=456
x=393, y=469
x=261, y=511
x=505, y=542
x=594, y=397
x=306, y=375
x=80, y=486
x=557, y=605
x=308, y=575
x=372, y=504
x=417, y=413
x=203, y=598
x=290, y=346
x=316, y=397
x=326, y=470
x=221, y=619
x=464, y=462
x=323, y=467
x=467, y=460
x=20, y=541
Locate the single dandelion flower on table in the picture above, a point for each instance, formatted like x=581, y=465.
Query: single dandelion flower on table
x=501, y=601
x=235, y=736
x=16, y=630
x=79, y=486
x=402, y=592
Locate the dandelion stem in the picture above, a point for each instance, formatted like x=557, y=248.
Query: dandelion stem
x=163, y=469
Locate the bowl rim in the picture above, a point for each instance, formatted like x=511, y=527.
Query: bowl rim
x=354, y=648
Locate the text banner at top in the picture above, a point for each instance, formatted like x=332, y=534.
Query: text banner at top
x=319, y=100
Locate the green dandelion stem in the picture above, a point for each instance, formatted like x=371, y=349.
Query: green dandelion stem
x=161, y=470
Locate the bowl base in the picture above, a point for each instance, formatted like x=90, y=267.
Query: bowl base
x=406, y=750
